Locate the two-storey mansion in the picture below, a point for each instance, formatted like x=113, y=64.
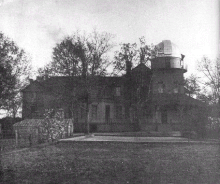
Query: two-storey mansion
x=143, y=99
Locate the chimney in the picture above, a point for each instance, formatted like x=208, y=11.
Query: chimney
x=46, y=76
x=128, y=67
x=31, y=80
x=39, y=78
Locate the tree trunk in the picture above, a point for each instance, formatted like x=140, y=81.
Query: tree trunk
x=1, y=167
x=87, y=131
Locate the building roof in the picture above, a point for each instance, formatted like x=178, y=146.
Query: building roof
x=69, y=81
x=63, y=81
x=167, y=48
x=141, y=68
x=35, y=122
x=165, y=99
x=29, y=122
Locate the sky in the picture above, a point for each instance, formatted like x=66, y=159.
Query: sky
x=36, y=26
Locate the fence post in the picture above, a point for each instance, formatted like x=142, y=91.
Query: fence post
x=1, y=167
x=16, y=137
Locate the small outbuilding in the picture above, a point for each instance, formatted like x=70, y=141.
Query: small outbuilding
x=33, y=131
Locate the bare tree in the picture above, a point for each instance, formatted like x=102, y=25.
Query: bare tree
x=211, y=87
x=211, y=78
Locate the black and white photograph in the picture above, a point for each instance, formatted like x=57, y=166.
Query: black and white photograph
x=109, y=91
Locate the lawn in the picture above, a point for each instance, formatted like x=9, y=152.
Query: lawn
x=114, y=162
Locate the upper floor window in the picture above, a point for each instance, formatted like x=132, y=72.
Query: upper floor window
x=161, y=87
x=33, y=108
x=31, y=96
x=176, y=86
x=175, y=90
x=118, y=91
x=34, y=95
x=107, y=91
x=167, y=62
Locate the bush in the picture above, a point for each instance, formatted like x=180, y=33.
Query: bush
x=53, y=126
x=190, y=134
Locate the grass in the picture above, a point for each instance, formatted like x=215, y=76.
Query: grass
x=111, y=162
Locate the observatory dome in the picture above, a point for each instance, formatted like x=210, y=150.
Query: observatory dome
x=167, y=49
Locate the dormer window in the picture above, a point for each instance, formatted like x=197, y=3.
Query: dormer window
x=118, y=91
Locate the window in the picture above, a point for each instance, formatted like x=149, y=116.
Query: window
x=118, y=91
x=118, y=112
x=107, y=91
x=34, y=95
x=82, y=111
x=70, y=113
x=167, y=62
x=161, y=87
x=33, y=108
x=94, y=111
x=164, y=116
x=175, y=90
x=138, y=93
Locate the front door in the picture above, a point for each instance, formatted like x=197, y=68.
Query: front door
x=164, y=116
x=107, y=113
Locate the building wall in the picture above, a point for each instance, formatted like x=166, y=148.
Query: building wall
x=39, y=99
x=174, y=117
x=169, y=80
x=101, y=113
x=161, y=62
x=131, y=92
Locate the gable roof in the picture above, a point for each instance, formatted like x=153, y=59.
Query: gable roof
x=141, y=68
x=35, y=122
x=34, y=85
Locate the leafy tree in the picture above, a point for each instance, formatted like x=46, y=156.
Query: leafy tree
x=7, y=82
x=128, y=56
x=84, y=57
x=14, y=70
x=124, y=58
x=80, y=55
x=192, y=86
x=131, y=55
